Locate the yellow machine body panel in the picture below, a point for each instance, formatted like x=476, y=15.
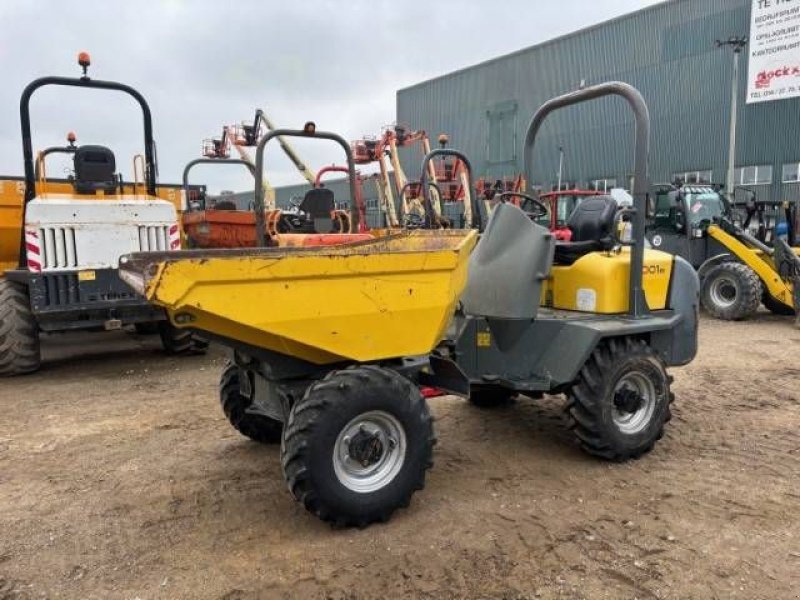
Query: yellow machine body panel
x=372, y=300
x=12, y=192
x=761, y=263
x=598, y=282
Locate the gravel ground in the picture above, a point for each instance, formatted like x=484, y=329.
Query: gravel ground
x=121, y=478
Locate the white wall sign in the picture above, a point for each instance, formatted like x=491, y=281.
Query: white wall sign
x=774, y=66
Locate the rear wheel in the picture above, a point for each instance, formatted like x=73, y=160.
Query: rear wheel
x=357, y=446
x=19, y=334
x=257, y=427
x=731, y=291
x=180, y=341
x=621, y=400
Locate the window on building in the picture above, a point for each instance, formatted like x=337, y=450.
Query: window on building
x=791, y=173
x=501, y=143
x=694, y=177
x=602, y=185
x=566, y=184
x=753, y=175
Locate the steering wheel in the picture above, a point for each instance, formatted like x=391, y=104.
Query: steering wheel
x=539, y=208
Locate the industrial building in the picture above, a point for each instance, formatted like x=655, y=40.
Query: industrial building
x=668, y=52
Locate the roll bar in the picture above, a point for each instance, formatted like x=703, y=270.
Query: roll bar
x=359, y=199
x=211, y=161
x=328, y=169
x=637, y=306
x=430, y=214
x=47, y=152
x=83, y=82
x=309, y=131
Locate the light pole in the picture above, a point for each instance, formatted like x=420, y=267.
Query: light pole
x=560, y=165
x=736, y=44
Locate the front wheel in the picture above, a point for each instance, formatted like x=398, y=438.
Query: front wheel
x=19, y=333
x=358, y=445
x=731, y=291
x=621, y=401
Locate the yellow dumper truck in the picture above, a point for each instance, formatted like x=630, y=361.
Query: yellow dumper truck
x=330, y=346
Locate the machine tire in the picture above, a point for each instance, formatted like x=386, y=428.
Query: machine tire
x=604, y=428
x=731, y=291
x=258, y=428
x=392, y=418
x=490, y=396
x=180, y=342
x=775, y=307
x=19, y=333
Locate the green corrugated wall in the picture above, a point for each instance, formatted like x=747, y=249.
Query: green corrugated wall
x=666, y=51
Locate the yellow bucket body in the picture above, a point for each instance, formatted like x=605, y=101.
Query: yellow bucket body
x=372, y=300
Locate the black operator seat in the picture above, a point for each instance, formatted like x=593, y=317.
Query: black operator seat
x=592, y=227
x=95, y=168
x=318, y=205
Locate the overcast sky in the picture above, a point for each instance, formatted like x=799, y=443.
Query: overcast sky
x=204, y=63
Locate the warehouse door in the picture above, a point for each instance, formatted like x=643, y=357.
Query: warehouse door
x=501, y=139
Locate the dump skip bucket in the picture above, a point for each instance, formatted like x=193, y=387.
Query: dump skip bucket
x=383, y=298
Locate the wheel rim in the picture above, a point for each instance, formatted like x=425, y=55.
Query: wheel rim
x=628, y=418
x=369, y=452
x=723, y=291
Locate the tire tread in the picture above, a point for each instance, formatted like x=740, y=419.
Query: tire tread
x=19, y=332
x=322, y=396
x=750, y=290
x=584, y=409
x=256, y=427
x=180, y=342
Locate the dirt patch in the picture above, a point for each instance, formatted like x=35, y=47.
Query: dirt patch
x=120, y=478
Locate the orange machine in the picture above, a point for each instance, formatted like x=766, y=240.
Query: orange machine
x=313, y=221
x=368, y=150
x=446, y=175
x=399, y=136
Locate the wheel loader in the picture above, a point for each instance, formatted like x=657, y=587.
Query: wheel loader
x=61, y=242
x=738, y=271
x=330, y=346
